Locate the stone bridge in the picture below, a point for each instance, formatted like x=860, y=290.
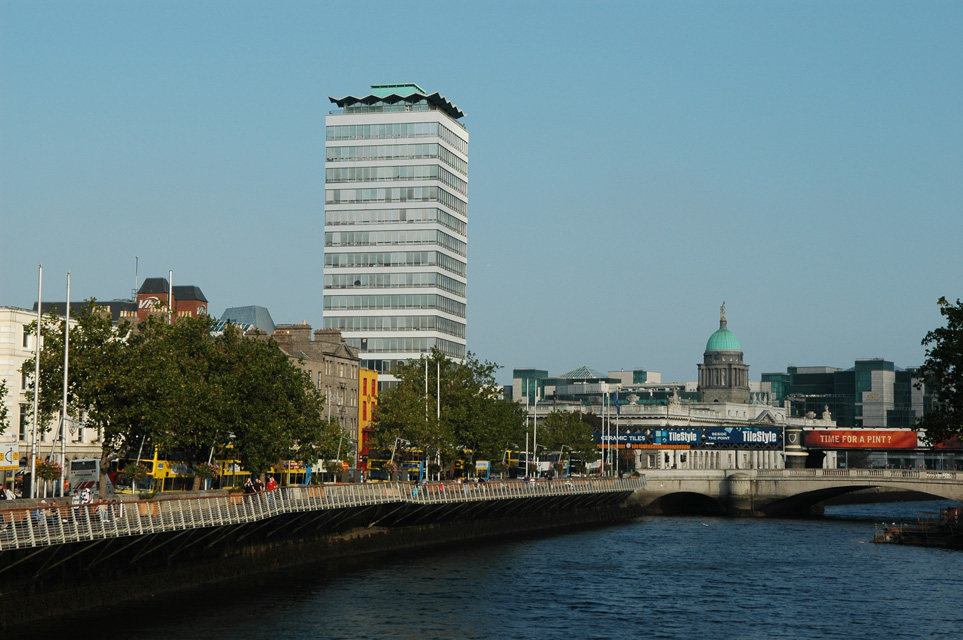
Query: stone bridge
x=781, y=492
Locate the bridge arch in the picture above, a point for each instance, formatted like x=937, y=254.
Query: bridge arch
x=783, y=492
x=686, y=503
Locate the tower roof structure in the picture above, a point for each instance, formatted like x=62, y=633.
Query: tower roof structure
x=406, y=93
x=723, y=339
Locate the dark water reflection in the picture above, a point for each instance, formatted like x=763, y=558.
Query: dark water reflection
x=658, y=577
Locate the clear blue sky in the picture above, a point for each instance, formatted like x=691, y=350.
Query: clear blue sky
x=633, y=164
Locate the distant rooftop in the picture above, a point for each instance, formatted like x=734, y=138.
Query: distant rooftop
x=181, y=292
x=247, y=318
x=584, y=373
x=398, y=97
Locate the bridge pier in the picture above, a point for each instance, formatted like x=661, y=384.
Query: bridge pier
x=795, y=453
x=738, y=493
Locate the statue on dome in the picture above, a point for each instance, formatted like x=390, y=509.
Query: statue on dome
x=722, y=311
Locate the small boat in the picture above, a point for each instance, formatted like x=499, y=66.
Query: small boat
x=943, y=530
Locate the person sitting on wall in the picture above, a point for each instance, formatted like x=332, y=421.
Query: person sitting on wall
x=53, y=514
x=103, y=514
x=39, y=512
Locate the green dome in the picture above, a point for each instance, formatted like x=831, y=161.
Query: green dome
x=723, y=340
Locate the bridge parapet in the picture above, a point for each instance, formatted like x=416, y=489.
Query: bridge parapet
x=896, y=474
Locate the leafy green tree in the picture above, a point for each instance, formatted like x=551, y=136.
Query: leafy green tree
x=270, y=405
x=563, y=429
x=179, y=369
x=178, y=388
x=474, y=421
x=942, y=373
x=4, y=411
x=99, y=385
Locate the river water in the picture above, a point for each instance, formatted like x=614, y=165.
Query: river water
x=655, y=577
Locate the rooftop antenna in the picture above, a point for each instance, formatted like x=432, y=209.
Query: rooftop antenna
x=133, y=295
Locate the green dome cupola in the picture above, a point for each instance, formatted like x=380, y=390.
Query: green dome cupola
x=723, y=339
x=723, y=376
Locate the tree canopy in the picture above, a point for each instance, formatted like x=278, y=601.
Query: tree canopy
x=942, y=373
x=473, y=420
x=4, y=411
x=563, y=429
x=178, y=387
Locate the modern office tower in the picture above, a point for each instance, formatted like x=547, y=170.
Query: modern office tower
x=395, y=230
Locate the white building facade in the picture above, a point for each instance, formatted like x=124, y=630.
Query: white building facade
x=396, y=225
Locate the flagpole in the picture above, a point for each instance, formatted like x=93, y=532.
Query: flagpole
x=36, y=390
x=604, y=442
x=63, y=410
x=535, y=432
x=618, y=447
x=607, y=397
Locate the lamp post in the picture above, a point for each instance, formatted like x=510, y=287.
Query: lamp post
x=233, y=461
x=535, y=454
x=505, y=453
x=568, y=462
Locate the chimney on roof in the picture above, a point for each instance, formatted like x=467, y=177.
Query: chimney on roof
x=292, y=334
x=329, y=336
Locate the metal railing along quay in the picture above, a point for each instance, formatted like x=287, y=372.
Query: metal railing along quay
x=47, y=525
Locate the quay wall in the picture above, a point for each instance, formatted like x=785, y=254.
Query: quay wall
x=97, y=573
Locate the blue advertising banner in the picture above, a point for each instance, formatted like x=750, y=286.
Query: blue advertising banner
x=744, y=435
x=622, y=438
x=677, y=436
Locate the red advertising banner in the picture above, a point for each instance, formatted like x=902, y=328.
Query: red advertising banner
x=952, y=443
x=861, y=439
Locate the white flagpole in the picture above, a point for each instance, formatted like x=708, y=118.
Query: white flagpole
x=618, y=445
x=607, y=422
x=528, y=457
x=63, y=410
x=36, y=390
x=535, y=432
x=170, y=296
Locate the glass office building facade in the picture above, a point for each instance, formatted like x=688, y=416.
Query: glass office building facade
x=396, y=225
x=873, y=393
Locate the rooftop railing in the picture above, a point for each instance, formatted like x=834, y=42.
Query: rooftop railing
x=46, y=525
x=393, y=108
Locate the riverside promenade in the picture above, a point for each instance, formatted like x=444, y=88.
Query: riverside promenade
x=38, y=526
x=76, y=557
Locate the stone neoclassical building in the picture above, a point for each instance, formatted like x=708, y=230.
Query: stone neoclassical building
x=723, y=376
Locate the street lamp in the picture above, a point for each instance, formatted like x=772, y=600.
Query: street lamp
x=568, y=462
x=535, y=455
x=231, y=436
x=394, y=448
x=505, y=453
